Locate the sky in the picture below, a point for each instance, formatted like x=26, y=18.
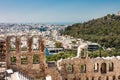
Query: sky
x=55, y=11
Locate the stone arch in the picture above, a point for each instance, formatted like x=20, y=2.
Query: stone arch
x=99, y=78
x=35, y=42
x=111, y=66
x=96, y=67
x=107, y=78
x=2, y=49
x=92, y=78
x=119, y=77
x=87, y=78
x=24, y=59
x=13, y=60
x=103, y=68
x=79, y=78
x=114, y=78
x=23, y=43
x=36, y=59
x=12, y=43
x=83, y=68
x=69, y=68
x=74, y=79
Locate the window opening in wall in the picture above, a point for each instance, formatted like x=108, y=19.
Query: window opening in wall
x=79, y=78
x=24, y=60
x=111, y=66
x=113, y=77
x=83, y=68
x=2, y=51
x=87, y=78
x=13, y=60
x=107, y=78
x=23, y=44
x=92, y=78
x=83, y=55
x=103, y=68
x=96, y=67
x=35, y=44
x=69, y=68
x=99, y=78
x=13, y=44
x=119, y=77
x=35, y=59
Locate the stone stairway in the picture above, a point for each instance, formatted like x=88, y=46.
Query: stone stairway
x=15, y=76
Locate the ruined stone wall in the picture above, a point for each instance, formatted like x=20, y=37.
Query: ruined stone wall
x=80, y=67
x=26, y=65
x=85, y=68
x=2, y=50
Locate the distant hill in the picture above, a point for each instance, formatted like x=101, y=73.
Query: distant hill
x=104, y=30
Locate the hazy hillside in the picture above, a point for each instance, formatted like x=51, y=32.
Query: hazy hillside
x=105, y=30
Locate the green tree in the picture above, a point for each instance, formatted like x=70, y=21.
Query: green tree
x=58, y=45
x=104, y=30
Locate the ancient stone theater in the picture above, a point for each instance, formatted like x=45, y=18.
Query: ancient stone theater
x=26, y=54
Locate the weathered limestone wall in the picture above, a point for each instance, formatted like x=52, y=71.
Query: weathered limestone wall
x=33, y=70
x=80, y=67
x=101, y=73
x=2, y=50
x=53, y=72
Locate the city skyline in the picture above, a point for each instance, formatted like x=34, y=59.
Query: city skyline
x=54, y=11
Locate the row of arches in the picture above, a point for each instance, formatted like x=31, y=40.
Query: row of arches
x=98, y=78
x=24, y=59
x=24, y=43
x=70, y=68
x=103, y=67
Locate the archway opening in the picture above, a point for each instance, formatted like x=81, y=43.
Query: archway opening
x=119, y=77
x=35, y=43
x=96, y=67
x=113, y=77
x=103, y=68
x=35, y=59
x=111, y=66
x=23, y=43
x=83, y=68
x=69, y=68
x=99, y=78
x=24, y=60
x=13, y=44
x=13, y=60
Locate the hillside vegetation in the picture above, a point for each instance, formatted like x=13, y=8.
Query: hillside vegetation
x=105, y=31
